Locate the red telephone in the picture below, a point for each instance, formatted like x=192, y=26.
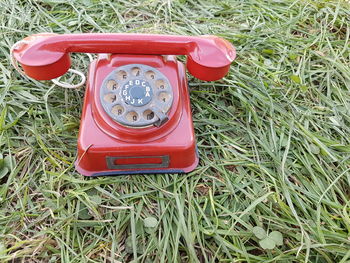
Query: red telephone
x=136, y=115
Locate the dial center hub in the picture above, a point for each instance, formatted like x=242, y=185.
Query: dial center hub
x=137, y=92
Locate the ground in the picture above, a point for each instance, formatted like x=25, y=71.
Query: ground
x=273, y=180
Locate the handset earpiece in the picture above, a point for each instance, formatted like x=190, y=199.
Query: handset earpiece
x=207, y=63
x=39, y=65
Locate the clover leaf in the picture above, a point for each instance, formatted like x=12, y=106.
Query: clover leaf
x=268, y=241
x=276, y=237
x=150, y=224
x=259, y=232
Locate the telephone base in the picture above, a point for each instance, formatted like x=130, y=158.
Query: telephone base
x=107, y=148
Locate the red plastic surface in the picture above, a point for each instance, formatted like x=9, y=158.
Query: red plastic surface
x=46, y=56
x=100, y=137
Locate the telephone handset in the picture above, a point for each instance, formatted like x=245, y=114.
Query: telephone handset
x=136, y=115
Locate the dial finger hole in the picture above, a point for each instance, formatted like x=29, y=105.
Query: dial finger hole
x=160, y=84
x=122, y=75
x=148, y=114
x=132, y=116
x=112, y=85
x=136, y=71
x=164, y=97
x=150, y=74
x=118, y=110
x=110, y=97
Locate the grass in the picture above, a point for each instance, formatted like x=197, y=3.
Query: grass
x=273, y=138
